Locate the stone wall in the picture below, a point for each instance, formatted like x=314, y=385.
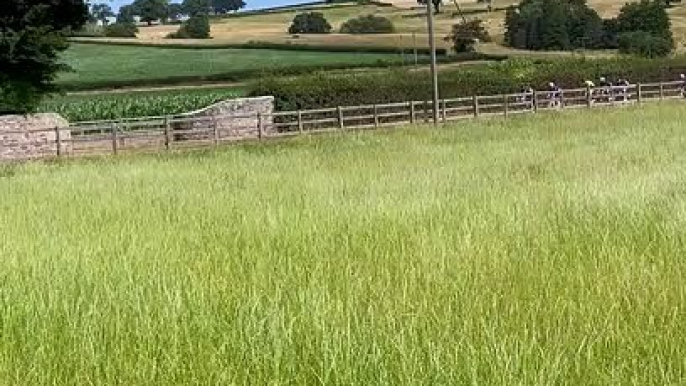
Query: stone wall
x=234, y=119
x=33, y=136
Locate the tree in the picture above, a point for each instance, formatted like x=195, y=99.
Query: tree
x=101, y=12
x=197, y=27
x=32, y=34
x=369, y=24
x=310, y=23
x=197, y=7
x=226, y=6
x=126, y=14
x=151, y=10
x=436, y=3
x=466, y=34
x=553, y=25
x=175, y=10
x=644, y=44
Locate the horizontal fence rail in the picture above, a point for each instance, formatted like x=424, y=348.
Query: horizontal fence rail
x=153, y=134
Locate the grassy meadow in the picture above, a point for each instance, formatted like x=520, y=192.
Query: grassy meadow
x=101, y=66
x=531, y=251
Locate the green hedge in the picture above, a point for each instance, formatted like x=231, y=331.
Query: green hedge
x=327, y=90
x=265, y=45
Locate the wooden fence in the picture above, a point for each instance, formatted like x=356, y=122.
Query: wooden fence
x=178, y=132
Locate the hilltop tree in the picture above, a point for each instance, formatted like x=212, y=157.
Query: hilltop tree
x=151, y=10
x=310, y=23
x=226, y=6
x=101, y=12
x=32, y=34
x=126, y=14
x=644, y=29
x=197, y=7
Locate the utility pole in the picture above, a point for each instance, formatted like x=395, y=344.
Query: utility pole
x=434, y=69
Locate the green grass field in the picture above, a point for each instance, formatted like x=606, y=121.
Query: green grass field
x=102, y=65
x=534, y=251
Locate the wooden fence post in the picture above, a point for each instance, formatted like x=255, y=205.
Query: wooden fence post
x=412, y=113
x=300, y=121
x=376, y=116
x=562, y=99
x=662, y=91
x=260, y=126
x=167, y=133
x=443, y=112
x=58, y=141
x=506, y=105
x=115, y=139
x=341, y=124
x=476, y=105
x=639, y=93
x=426, y=112
x=589, y=97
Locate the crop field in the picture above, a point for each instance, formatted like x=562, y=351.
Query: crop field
x=105, y=66
x=540, y=250
x=91, y=107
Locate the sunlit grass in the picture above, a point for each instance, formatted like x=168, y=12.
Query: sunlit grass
x=535, y=251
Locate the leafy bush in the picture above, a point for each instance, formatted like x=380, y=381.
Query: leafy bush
x=90, y=30
x=197, y=27
x=121, y=30
x=327, y=90
x=309, y=23
x=369, y=24
x=644, y=44
x=466, y=34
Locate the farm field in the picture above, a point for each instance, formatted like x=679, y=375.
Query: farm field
x=131, y=104
x=272, y=27
x=102, y=66
x=535, y=250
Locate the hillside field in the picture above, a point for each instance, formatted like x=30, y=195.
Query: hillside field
x=541, y=250
x=272, y=27
x=101, y=66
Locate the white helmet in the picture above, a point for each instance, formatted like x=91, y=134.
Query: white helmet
x=602, y=79
x=682, y=76
x=551, y=84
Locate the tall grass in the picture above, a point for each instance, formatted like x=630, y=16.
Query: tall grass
x=532, y=251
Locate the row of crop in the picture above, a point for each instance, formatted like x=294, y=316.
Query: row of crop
x=136, y=104
x=326, y=90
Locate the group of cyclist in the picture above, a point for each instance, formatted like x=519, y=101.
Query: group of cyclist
x=606, y=91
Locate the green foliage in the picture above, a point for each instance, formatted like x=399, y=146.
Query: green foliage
x=553, y=25
x=121, y=30
x=369, y=24
x=32, y=34
x=196, y=7
x=644, y=44
x=151, y=10
x=101, y=12
x=465, y=35
x=135, y=104
x=327, y=90
x=226, y=6
x=309, y=23
x=197, y=27
x=126, y=14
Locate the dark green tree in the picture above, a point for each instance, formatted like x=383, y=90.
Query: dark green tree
x=647, y=16
x=644, y=44
x=226, y=6
x=32, y=34
x=126, y=14
x=197, y=7
x=309, y=23
x=369, y=24
x=151, y=10
x=465, y=35
x=101, y=12
x=174, y=11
